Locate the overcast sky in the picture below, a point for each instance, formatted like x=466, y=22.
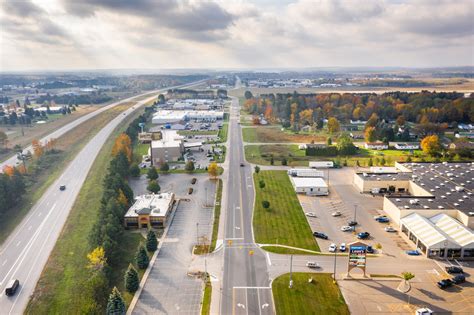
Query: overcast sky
x=163, y=34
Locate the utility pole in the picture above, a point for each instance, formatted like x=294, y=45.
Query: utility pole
x=355, y=212
x=197, y=233
x=291, y=271
x=334, y=278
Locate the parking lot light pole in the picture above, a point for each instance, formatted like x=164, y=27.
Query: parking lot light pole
x=355, y=212
x=291, y=271
x=334, y=278
x=197, y=233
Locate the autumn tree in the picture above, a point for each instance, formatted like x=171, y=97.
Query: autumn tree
x=400, y=120
x=8, y=170
x=38, y=149
x=306, y=117
x=431, y=145
x=370, y=134
x=123, y=144
x=213, y=170
x=333, y=125
x=97, y=259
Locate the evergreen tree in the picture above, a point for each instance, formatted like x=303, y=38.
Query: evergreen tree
x=134, y=170
x=131, y=279
x=164, y=167
x=142, y=258
x=189, y=167
x=151, y=241
x=152, y=173
x=115, y=305
x=153, y=187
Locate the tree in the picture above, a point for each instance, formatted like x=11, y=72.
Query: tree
x=153, y=186
x=405, y=284
x=213, y=170
x=122, y=199
x=141, y=258
x=164, y=167
x=248, y=95
x=370, y=163
x=400, y=120
x=151, y=241
x=115, y=305
x=3, y=139
x=284, y=161
x=261, y=184
x=38, y=149
x=329, y=141
x=131, y=279
x=431, y=145
x=152, y=173
x=189, y=167
x=378, y=247
x=257, y=169
x=272, y=161
x=266, y=204
x=333, y=125
x=123, y=144
x=345, y=145
x=134, y=170
x=370, y=134
x=97, y=259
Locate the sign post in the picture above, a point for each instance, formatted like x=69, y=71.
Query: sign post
x=357, y=257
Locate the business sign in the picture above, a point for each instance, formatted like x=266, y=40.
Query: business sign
x=357, y=256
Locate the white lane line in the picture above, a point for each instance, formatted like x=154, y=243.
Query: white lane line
x=258, y=299
x=440, y=267
x=268, y=259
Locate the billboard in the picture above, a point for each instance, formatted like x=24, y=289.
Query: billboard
x=357, y=256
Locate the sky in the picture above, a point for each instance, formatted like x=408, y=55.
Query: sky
x=234, y=34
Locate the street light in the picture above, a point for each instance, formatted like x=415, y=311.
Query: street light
x=197, y=233
x=334, y=277
x=291, y=271
x=355, y=212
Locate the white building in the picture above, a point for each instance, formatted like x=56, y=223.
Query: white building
x=407, y=146
x=162, y=117
x=321, y=164
x=376, y=145
x=312, y=186
x=149, y=211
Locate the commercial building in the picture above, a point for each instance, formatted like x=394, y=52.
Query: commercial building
x=169, y=148
x=305, y=172
x=150, y=211
x=312, y=186
x=376, y=145
x=162, y=117
x=407, y=146
x=432, y=203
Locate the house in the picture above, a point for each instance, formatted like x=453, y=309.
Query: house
x=311, y=186
x=356, y=136
x=469, y=135
x=407, y=146
x=376, y=146
x=150, y=211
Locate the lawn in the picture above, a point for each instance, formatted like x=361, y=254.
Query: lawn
x=197, y=132
x=58, y=289
x=261, y=154
x=217, y=213
x=223, y=132
x=272, y=134
x=284, y=221
x=206, y=298
x=321, y=296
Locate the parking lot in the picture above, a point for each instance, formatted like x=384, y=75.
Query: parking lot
x=353, y=206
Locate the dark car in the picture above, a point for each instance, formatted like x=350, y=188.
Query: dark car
x=363, y=235
x=242, y=165
x=454, y=269
x=11, y=287
x=194, y=180
x=320, y=235
x=445, y=283
x=351, y=223
x=62, y=187
x=459, y=279
x=190, y=190
x=369, y=249
x=382, y=220
x=413, y=252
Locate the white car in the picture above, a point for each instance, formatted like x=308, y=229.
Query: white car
x=311, y=214
x=336, y=213
x=389, y=229
x=332, y=248
x=312, y=264
x=342, y=247
x=346, y=228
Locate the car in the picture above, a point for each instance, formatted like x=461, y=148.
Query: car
x=347, y=228
x=312, y=264
x=332, y=248
x=458, y=279
x=383, y=220
x=62, y=187
x=190, y=190
x=454, y=269
x=413, y=252
x=363, y=235
x=336, y=214
x=242, y=165
x=445, y=283
x=352, y=223
x=342, y=247
x=194, y=180
x=369, y=249
x=12, y=286
x=320, y=235
x=376, y=217
x=423, y=311
x=389, y=229
x=311, y=214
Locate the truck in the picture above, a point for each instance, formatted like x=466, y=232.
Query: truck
x=321, y=164
x=305, y=172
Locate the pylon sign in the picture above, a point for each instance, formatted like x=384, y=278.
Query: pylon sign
x=357, y=256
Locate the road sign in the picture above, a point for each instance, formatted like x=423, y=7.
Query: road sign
x=357, y=256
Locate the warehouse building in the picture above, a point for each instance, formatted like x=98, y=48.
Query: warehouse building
x=150, y=211
x=312, y=186
x=163, y=117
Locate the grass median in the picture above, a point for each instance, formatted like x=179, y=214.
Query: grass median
x=284, y=221
x=320, y=296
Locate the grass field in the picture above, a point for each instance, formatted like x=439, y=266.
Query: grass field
x=59, y=287
x=287, y=251
x=284, y=222
x=217, y=214
x=206, y=298
x=274, y=134
x=261, y=154
x=321, y=296
x=223, y=132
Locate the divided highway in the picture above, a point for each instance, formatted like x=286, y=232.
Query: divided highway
x=26, y=251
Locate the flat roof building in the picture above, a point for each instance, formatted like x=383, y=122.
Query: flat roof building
x=313, y=186
x=150, y=211
x=169, y=148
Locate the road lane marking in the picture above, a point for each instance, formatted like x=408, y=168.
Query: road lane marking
x=268, y=259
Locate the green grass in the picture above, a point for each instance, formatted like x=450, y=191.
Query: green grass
x=206, y=298
x=284, y=222
x=197, y=132
x=223, y=132
x=261, y=154
x=58, y=289
x=217, y=213
x=249, y=134
x=321, y=296
x=287, y=251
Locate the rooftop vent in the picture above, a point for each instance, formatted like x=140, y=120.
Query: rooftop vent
x=440, y=207
x=456, y=204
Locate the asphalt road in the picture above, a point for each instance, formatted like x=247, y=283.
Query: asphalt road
x=246, y=284
x=26, y=251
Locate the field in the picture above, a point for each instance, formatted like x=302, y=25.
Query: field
x=261, y=154
x=217, y=213
x=206, y=298
x=284, y=221
x=275, y=135
x=58, y=289
x=321, y=296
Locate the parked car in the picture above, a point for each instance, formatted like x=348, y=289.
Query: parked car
x=347, y=228
x=376, y=217
x=62, y=187
x=190, y=190
x=194, y=180
x=383, y=220
x=311, y=214
x=459, y=279
x=312, y=264
x=389, y=229
x=413, y=252
x=454, y=269
x=423, y=311
x=445, y=283
x=12, y=286
x=342, y=247
x=369, y=249
x=363, y=235
x=351, y=223
x=320, y=235
x=332, y=248
x=336, y=214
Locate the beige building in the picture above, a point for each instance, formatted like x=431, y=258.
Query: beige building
x=150, y=211
x=169, y=148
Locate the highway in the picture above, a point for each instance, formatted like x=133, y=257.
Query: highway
x=24, y=254
x=246, y=284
